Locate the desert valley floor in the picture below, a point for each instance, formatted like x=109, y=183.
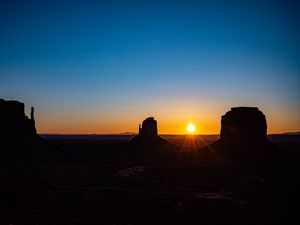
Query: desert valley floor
x=144, y=187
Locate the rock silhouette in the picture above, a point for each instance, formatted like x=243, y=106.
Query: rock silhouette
x=18, y=135
x=13, y=120
x=244, y=123
x=148, y=134
x=243, y=138
x=148, y=128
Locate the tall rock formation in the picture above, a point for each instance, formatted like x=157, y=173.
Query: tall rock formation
x=148, y=128
x=19, y=140
x=13, y=121
x=148, y=134
x=244, y=123
x=243, y=139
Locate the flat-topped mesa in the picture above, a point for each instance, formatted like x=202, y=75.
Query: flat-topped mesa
x=13, y=120
x=149, y=128
x=244, y=123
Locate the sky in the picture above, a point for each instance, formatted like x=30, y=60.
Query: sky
x=103, y=66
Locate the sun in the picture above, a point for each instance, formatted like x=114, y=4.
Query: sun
x=191, y=128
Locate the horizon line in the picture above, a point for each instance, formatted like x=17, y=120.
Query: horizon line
x=130, y=134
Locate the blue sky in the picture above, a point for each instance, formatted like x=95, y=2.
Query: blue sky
x=83, y=63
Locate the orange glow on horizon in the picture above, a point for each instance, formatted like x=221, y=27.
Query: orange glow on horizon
x=97, y=128
x=169, y=120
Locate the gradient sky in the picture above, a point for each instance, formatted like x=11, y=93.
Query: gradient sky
x=103, y=66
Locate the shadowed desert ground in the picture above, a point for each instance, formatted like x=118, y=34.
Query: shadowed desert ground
x=148, y=188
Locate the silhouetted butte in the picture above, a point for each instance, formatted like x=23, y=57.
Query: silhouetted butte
x=13, y=120
x=244, y=123
x=243, y=138
x=148, y=135
x=18, y=135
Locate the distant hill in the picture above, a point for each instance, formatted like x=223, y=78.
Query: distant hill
x=128, y=133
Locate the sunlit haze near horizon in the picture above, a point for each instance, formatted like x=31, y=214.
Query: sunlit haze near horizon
x=103, y=67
